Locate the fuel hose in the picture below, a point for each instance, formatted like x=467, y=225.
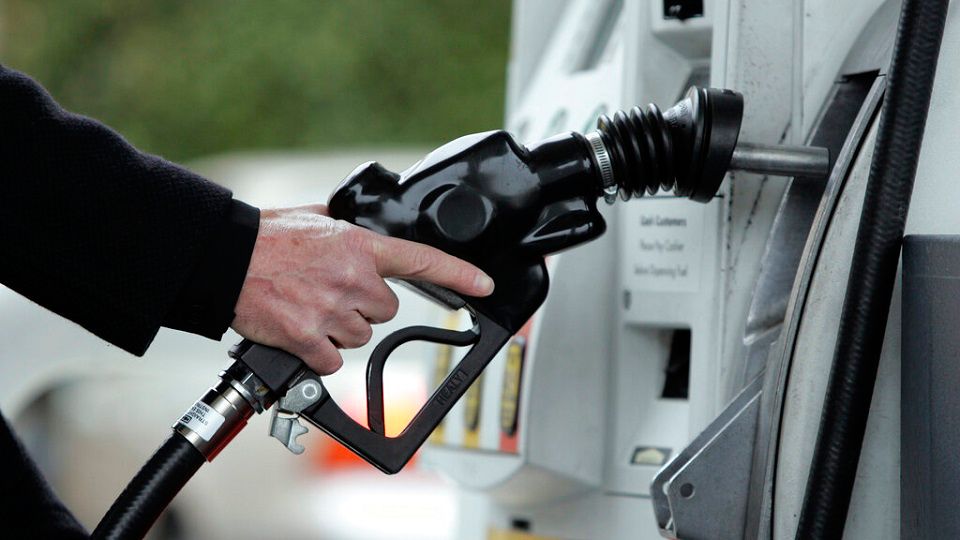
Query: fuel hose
x=151, y=490
x=200, y=434
x=873, y=270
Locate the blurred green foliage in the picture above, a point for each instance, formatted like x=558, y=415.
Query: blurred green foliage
x=185, y=78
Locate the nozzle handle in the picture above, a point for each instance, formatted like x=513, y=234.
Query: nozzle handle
x=391, y=453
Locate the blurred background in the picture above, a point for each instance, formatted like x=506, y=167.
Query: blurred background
x=278, y=101
x=189, y=79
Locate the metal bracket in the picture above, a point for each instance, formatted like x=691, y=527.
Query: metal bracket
x=301, y=396
x=702, y=492
x=286, y=429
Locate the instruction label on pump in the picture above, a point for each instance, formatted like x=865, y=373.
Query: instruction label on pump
x=202, y=420
x=664, y=240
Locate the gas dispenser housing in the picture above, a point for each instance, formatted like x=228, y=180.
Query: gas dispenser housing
x=658, y=335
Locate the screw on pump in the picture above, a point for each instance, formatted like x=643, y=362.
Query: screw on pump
x=688, y=149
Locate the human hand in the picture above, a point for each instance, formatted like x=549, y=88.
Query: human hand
x=315, y=284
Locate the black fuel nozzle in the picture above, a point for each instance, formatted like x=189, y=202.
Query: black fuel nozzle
x=503, y=206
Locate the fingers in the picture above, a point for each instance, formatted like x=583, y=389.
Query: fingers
x=352, y=331
x=320, y=354
x=403, y=259
x=380, y=303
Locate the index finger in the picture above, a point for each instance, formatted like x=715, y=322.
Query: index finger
x=405, y=259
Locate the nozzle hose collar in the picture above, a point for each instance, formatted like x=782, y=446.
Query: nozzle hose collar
x=685, y=150
x=601, y=158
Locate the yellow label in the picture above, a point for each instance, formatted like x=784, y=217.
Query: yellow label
x=471, y=414
x=510, y=394
x=440, y=370
x=649, y=455
x=500, y=534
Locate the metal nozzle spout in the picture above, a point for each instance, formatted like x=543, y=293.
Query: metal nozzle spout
x=779, y=160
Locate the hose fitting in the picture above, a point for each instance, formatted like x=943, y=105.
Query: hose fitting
x=222, y=412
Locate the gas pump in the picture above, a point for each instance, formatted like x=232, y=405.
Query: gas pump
x=661, y=399
x=687, y=402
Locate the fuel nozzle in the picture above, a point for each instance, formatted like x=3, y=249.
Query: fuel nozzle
x=503, y=206
x=688, y=148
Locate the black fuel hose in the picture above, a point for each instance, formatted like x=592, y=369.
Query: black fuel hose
x=150, y=491
x=873, y=271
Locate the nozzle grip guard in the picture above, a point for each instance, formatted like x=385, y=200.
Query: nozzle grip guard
x=389, y=454
x=483, y=198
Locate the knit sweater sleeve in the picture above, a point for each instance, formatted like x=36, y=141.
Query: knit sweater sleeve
x=114, y=239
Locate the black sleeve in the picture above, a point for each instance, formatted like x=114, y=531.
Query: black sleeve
x=118, y=241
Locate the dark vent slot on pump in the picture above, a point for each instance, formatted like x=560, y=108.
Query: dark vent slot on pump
x=677, y=371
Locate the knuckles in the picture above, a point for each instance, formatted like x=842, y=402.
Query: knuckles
x=423, y=260
x=349, y=277
x=327, y=302
x=364, y=335
x=356, y=329
x=392, y=307
x=324, y=361
x=305, y=334
x=355, y=239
